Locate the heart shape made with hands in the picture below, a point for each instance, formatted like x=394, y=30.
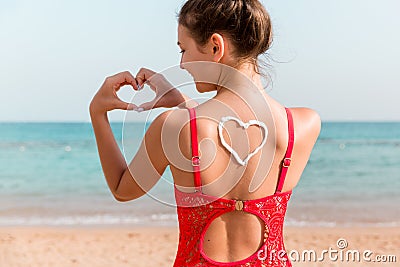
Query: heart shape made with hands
x=245, y=125
x=163, y=96
x=145, y=106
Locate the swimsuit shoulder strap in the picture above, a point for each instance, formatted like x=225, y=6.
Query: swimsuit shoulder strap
x=287, y=160
x=195, y=149
x=196, y=159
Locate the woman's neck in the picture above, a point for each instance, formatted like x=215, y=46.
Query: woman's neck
x=244, y=75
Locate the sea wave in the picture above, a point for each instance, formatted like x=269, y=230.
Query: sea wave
x=100, y=219
x=159, y=219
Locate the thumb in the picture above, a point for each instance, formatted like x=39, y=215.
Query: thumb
x=125, y=106
x=147, y=106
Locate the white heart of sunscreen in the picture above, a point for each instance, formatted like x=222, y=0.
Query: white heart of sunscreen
x=244, y=125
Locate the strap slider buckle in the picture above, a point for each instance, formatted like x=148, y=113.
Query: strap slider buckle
x=196, y=161
x=286, y=162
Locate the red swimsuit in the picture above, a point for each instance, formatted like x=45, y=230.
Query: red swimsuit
x=196, y=211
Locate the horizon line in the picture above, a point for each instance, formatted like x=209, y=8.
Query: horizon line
x=140, y=121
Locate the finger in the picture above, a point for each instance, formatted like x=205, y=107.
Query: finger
x=145, y=106
x=124, y=106
x=129, y=83
x=149, y=105
x=123, y=78
x=149, y=83
x=118, y=86
x=143, y=75
x=139, y=87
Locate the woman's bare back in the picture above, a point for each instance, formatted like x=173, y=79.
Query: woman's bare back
x=221, y=176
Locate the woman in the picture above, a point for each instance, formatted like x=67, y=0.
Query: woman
x=232, y=184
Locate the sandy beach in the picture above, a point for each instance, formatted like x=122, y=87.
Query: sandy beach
x=138, y=246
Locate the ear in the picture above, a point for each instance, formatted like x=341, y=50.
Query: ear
x=217, y=46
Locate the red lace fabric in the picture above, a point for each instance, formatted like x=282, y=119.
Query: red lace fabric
x=196, y=211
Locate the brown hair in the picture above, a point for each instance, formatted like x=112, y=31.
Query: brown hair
x=245, y=22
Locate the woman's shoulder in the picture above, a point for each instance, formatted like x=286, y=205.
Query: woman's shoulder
x=306, y=114
x=307, y=122
x=169, y=119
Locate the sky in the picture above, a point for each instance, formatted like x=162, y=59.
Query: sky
x=340, y=58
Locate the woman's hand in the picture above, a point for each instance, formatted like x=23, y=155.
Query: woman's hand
x=166, y=95
x=106, y=98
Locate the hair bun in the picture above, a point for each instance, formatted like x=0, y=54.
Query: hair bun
x=245, y=21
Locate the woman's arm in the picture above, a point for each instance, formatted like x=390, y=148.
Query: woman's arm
x=112, y=161
x=149, y=163
x=147, y=166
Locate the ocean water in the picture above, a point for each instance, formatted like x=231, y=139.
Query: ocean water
x=50, y=174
